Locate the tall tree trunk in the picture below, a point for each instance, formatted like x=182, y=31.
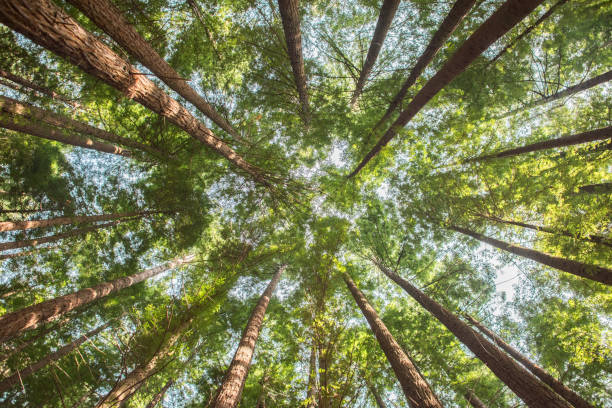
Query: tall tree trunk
x=160, y=395
x=379, y=401
x=196, y=10
x=311, y=394
x=24, y=225
x=261, y=400
x=560, y=388
x=289, y=10
x=507, y=16
x=233, y=383
x=527, y=387
x=26, y=253
x=596, y=239
x=416, y=389
x=601, y=188
x=387, y=12
x=473, y=400
x=12, y=324
x=579, y=138
x=29, y=84
x=16, y=378
x=32, y=340
x=34, y=113
x=592, y=272
x=324, y=355
x=106, y=16
x=51, y=27
x=18, y=125
x=447, y=27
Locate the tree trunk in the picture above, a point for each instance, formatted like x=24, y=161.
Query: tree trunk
x=323, y=401
x=311, y=394
x=579, y=138
x=473, y=400
x=34, y=113
x=447, y=27
x=387, y=12
x=602, y=188
x=592, y=272
x=51, y=27
x=16, y=378
x=106, y=16
x=416, y=389
x=233, y=383
x=26, y=253
x=29, y=84
x=560, y=388
x=32, y=340
x=507, y=16
x=24, y=225
x=527, y=387
x=160, y=395
x=589, y=238
x=379, y=401
x=289, y=10
x=12, y=324
x=18, y=125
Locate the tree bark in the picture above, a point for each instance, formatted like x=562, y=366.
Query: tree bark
x=16, y=378
x=311, y=394
x=32, y=340
x=473, y=400
x=560, y=388
x=387, y=12
x=507, y=16
x=447, y=27
x=233, y=383
x=106, y=16
x=289, y=10
x=596, y=239
x=51, y=27
x=160, y=395
x=34, y=113
x=379, y=401
x=417, y=391
x=579, y=138
x=527, y=387
x=12, y=324
x=26, y=253
x=29, y=84
x=602, y=188
x=592, y=272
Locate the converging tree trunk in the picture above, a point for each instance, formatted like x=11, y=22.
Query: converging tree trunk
x=229, y=394
x=592, y=272
x=26, y=253
x=17, y=378
x=12, y=324
x=527, y=387
x=507, y=16
x=379, y=401
x=417, y=391
x=601, y=188
x=290, y=14
x=160, y=394
x=473, y=400
x=560, y=388
x=29, y=84
x=387, y=12
x=33, y=339
x=51, y=27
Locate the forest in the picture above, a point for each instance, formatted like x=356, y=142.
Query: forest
x=306, y=204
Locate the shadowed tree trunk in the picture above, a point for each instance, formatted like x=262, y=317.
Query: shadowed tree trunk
x=507, y=16
x=416, y=389
x=289, y=10
x=12, y=324
x=26, y=253
x=560, y=388
x=602, y=188
x=473, y=400
x=592, y=272
x=447, y=27
x=29, y=84
x=16, y=378
x=233, y=383
x=527, y=387
x=387, y=12
x=160, y=395
x=33, y=339
x=379, y=401
x=196, y=10
x=311, y=394
x=51, y=27
x=106, y=16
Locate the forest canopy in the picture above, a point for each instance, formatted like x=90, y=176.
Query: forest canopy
x=259, y=203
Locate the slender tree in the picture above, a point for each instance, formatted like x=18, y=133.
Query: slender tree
x=12, y=324
x=33, y=339
x=527, y=387
x=379, y=401
x=17, y=378
x=26, y=253
x=601, y=188
x=40, y=89
x=312, y=391
x=290, y=15
x=160, y=394
x=416, y=389
x=507, y=16
x=473, y=399
x=560, y=388
x=387, y=12
x=230, y=391
x=592, y=272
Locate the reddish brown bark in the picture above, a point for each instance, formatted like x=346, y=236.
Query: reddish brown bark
x=29, y=84
x=473, y=400
x=289, y=10
x=16, y=378
x=231, y=390
x=506, y=17
x=527, y=387
x=51, y=27
x=387, y=12
x=560, y=388
x=106, y=16
x=592, y=272
x=12, y=324
x=416, y=389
